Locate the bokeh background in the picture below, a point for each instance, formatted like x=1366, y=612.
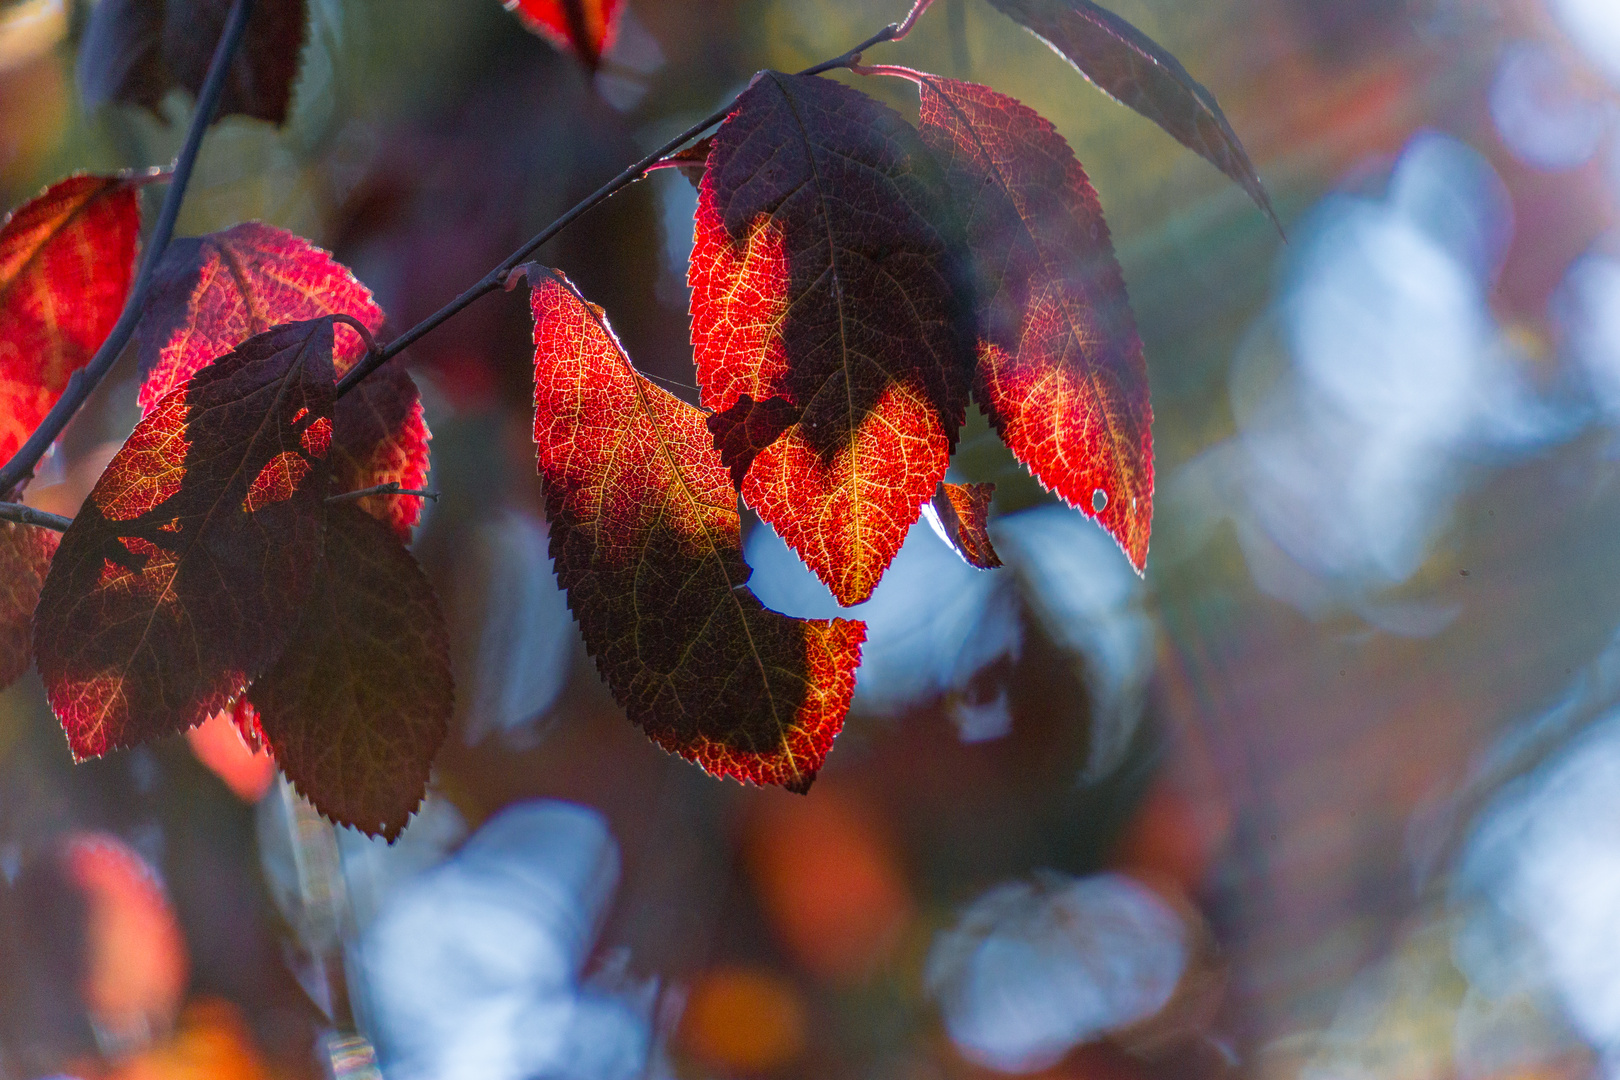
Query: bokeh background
x=1332, y=793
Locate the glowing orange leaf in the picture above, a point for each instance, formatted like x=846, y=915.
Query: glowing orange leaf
x=646, y=538
x=960, y=514
x=214, y=292
x=821, y=277
x=360, y=701
x=1060, y=368
x=584, y=27
x=169, y=593
x=66, y=261
x=25, y=558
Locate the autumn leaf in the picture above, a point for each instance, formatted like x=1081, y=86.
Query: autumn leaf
x=584, y=27
x=360, y=701
x=66, y=262
x=213, y=292
x=246, y=719
x=1060, y=368
x=748, y=427
x=25, y=558
x=823, y=275
x=1131, y=68
x=134, y=51
x=183, y=575
x=382, y=439
x=960, y=514
x=646, y=539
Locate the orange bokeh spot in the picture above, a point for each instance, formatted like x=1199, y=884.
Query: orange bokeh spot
x=213, y=1043
x=830, y=881
x=138, y=965
x=218, y=743
x=743, y=1021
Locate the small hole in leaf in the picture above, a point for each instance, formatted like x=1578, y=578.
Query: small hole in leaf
x=1099, y=501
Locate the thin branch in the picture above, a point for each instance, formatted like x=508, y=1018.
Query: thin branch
x=391, y=488
x=916, y=13
x=27, y=515
x=86, y=379
x=497, y=277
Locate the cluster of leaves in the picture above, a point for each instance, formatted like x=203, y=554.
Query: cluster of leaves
x=855, y=281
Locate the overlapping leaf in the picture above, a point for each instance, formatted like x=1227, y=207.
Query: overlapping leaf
x=360, y=701
x=213, y=292
x=823, y=275
x=584, y=27
x=25, y=558
x=182, y=577
x=645, y=537
x=66, y=261
x=960, y=514
x=1132, y=69
x=135, y=50
x=1060, y=367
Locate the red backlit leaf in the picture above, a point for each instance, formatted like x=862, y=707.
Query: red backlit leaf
x=1060, y=369
x=135, y=50
x=246, y=719
x=360, y=701
x=213, y=292
x=748, y=427
x=585, y=27
x=25, y=558
x=1131, y=68
x=169, y=594
x=646, y=538
x=382, y=439
x=820, y=276
x=135, y=964
x=66, y=262
x=960, y=514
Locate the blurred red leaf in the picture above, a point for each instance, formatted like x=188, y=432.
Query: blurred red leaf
x=1060, y=370
x=960, y=514
x=136, y=964
x=66, y=262
x=360, y=700
x=25, y=558
x=831, y=881
x=585, y=27
x=1131, y=68
x=646, y=538
x=821, y=276
x=213, y=292
x=183, y=575
x=220, y=744
x=135, y=50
